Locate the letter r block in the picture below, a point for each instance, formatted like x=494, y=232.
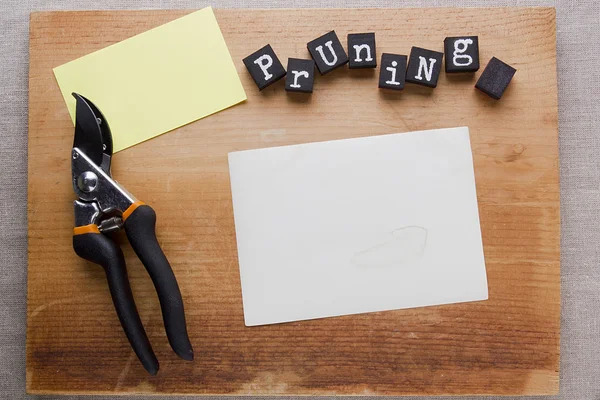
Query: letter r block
x=264, y=67
x=424, y=67
x=361, y=50
x=328, y=53
x=300, y=76
x=462, y=54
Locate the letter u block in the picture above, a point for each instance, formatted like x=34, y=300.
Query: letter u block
x=328, y=53
x=264, y=67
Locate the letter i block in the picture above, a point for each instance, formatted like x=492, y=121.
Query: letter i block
x=393, y=71
x=301, y=75
x=424, y=67
x=328, y=53
x=361, y=50
x=462, y=54
x=264, y=66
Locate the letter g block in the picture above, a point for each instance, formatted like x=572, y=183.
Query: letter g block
x=462, y=54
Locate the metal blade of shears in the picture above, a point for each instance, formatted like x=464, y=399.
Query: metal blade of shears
x=92, y=133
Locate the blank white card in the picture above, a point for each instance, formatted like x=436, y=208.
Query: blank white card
x=357, y=225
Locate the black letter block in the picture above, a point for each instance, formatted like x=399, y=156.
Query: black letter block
x=301, y=75
x=392, y=72
x=424, y=67
x=264, y=66
x=495, y=78
x=328, y=53
x=361, y=50
x=462, y=54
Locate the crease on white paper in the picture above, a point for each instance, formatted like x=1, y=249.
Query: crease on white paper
x=401, y=247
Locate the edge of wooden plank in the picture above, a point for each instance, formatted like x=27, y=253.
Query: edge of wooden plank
x=33, y=20
x=555, y=383
x=40, y=14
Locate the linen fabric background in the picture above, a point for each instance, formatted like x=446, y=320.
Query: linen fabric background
x=578, y=53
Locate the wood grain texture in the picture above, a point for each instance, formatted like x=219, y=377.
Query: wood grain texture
x=506, y=345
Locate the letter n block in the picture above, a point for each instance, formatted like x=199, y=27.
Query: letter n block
x=328, y=53
x=264, y=66
x=361, y=50
x=462, y=54
x=424, y=67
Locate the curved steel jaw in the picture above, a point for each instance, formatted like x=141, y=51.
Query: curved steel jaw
x=101, y=199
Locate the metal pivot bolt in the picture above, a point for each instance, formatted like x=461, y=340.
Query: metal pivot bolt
x=87, y=181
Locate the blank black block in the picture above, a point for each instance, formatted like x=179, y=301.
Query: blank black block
x=424, y=67
x=392, y=72
x=462, y=54
x=328, y=53
x=495, y=78
x=300, y=76
x=361, y=50
x=264, y=66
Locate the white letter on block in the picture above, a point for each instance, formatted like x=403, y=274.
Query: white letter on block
x=423, y=67
x=320, y=50
x=358, y=48
x=393, y=71
x=298, y=74
x=265, y=66
x=463, y=43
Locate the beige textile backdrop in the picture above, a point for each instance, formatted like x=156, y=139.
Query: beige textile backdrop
x=578, y=57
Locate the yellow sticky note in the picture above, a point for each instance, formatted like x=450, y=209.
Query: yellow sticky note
x=156, y=81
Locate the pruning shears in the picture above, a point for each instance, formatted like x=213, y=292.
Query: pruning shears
x=104, y=207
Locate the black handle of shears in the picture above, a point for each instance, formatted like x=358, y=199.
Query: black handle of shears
x=139, y=223
x=93, y=246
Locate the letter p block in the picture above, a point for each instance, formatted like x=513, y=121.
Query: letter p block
x=264, y=67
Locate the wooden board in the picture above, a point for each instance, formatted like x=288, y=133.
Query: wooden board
x=506, y=345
